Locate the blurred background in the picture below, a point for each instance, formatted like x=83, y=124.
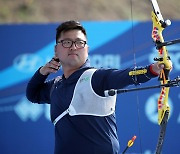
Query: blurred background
x=119, y=36
x=44, y=11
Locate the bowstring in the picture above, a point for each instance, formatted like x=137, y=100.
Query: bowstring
x=135, y=66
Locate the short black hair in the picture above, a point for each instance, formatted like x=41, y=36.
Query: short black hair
x=69, y=25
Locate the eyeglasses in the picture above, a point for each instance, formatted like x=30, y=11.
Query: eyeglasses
x=68, y=43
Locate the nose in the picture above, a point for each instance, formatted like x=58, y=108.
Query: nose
x=73, y=47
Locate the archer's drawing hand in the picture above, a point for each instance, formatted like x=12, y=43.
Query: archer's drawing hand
x=51, y=67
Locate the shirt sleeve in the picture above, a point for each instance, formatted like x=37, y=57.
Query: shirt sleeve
x=106, y=79
x=38, y=89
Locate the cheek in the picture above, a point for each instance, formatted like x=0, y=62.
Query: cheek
x=59, y=52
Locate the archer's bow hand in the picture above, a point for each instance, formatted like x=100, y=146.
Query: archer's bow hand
x=157, y=67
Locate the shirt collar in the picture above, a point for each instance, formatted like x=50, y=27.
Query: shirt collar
x=75, y=74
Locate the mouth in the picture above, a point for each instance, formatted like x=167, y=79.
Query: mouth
x=72, y=54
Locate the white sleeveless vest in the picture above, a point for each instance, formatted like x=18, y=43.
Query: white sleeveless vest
x=86, y=102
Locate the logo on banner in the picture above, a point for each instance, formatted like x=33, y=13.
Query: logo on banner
x=30, y=111
x=106, y=60
x=28, y=62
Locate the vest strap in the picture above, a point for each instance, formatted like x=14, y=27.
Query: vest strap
x=60, y=116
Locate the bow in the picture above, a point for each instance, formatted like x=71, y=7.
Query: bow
x=165, y=83
x=163, y=107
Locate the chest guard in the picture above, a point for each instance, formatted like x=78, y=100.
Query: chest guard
x=86, y=102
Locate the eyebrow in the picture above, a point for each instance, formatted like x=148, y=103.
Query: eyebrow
x=77, y=39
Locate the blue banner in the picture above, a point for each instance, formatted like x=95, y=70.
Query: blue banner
x=26, y=128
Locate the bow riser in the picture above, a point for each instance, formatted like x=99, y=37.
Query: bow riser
x=163, y=58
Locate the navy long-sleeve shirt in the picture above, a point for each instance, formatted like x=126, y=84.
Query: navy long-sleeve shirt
x=82, y=134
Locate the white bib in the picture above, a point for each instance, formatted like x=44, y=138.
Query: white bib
x=86, y=102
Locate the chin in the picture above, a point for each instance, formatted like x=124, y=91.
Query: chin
x=73, y=63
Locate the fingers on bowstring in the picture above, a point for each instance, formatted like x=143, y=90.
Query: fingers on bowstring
x=56, y=59
x=54, y=64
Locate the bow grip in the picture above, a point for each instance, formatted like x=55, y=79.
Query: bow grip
x=167, y=68
x=166, y=75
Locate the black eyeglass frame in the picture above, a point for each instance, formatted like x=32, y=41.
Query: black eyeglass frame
x=73, y=42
